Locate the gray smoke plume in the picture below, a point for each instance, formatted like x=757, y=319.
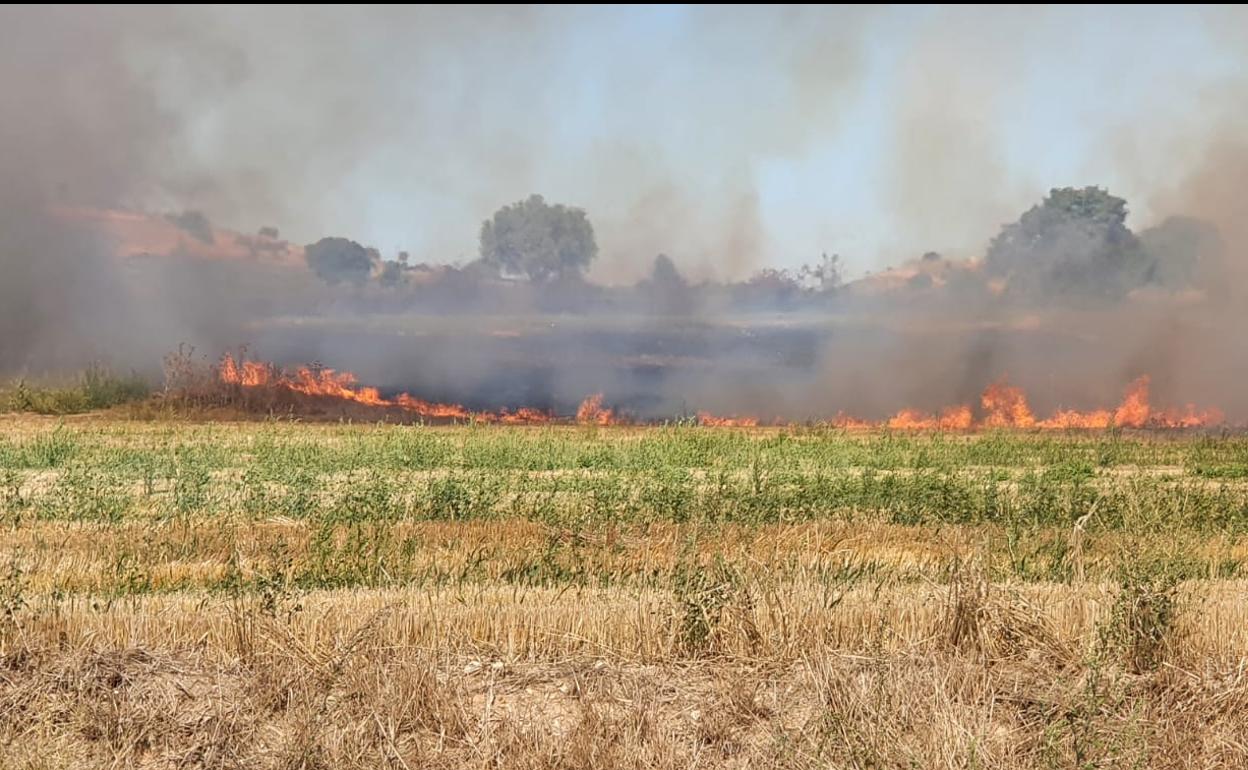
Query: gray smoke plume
x=340, y=122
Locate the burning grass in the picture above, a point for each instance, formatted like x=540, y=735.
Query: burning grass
x=259, y=387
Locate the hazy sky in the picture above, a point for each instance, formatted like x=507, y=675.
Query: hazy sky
x=730, y=138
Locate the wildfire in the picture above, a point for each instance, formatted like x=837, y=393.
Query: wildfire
x=592, y=412
x=1003, y=405
x=328, y=383
x=428, y=409
x=524, y=416
x=953, y=418
x=1064, y=418
x=1006, y=407
x=1135, y=412
x=708, y=419
x=849, y=422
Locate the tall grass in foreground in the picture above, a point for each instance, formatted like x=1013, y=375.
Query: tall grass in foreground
x=343, y=596
x=969, y=675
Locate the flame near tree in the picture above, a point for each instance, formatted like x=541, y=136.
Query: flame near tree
x=1003, y=405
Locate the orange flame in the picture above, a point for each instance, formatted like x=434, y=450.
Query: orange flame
x=1068, y=418
x=229, y=371
x=953, y=418
x=848, y=422
x=328, y=383
x=1004, y=405
x=524, y=416
x=710, y=420
x=1135, y=412
x=252, y=373
x=1189, y=417
x=428, y=409
x=593, y=412
x=956, y=418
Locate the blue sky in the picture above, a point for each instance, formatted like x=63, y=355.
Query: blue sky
x=730, y=138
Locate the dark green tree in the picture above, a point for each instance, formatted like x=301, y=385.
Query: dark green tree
x=339, y=260
x=1075, y=242
x=535, y=239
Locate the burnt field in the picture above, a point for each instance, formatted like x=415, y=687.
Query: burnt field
x=553, y=362
x=796, y=367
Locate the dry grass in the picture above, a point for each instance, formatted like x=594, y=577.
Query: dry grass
x=968, y=676
x=161, y=633
x=779, y=623
x=180, y=554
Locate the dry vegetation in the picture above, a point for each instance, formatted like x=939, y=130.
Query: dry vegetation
x=303, y=596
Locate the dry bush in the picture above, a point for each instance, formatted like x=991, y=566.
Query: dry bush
x=997, y=623
x=351, y=698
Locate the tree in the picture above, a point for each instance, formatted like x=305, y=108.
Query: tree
x=825, y=275
x=338, y=260
x=391, y=273
x=666, y=290
x=768, y=288
x=1074, y=242
x=665, y=274
x=537, y=240
x=193, y=223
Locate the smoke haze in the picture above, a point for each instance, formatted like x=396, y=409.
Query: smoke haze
x=733, y=140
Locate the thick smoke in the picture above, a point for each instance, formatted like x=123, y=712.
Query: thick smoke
x=75, y=128
x=407, y=129
x=83, y=128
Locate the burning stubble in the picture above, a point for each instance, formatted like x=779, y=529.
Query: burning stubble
x=180, y=111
